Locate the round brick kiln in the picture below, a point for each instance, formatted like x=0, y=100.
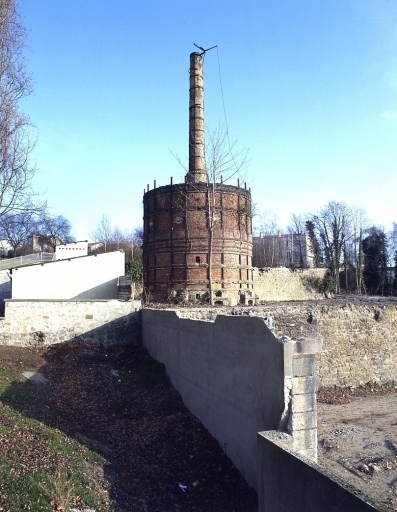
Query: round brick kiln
x=177, y=243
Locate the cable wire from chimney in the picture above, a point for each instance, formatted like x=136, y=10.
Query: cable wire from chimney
x=224, y=112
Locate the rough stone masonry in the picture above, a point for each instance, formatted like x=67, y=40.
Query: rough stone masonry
x=359, y=335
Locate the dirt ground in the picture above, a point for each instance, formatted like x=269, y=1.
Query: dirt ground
x=358, y=441
x=117, y=401
x=82, y=387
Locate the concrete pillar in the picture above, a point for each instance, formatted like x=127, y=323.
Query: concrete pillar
x=300, y=413
x=197, y=172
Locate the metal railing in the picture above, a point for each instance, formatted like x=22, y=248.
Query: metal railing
x=29, y=259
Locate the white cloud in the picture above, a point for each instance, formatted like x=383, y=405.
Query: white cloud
x=390, y=114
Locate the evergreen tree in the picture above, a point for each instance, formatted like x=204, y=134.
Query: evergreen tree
x=375, y=262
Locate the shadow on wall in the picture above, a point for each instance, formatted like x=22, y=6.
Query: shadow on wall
x=5, y=293
x=28, y=323
x=122, y=330
x=118, y=402
x=2, y=305
x=104, y=291
x=230, y=374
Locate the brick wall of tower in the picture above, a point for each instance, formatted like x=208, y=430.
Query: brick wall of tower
x=176, y=241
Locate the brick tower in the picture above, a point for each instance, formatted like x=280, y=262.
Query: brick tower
x=198, y=235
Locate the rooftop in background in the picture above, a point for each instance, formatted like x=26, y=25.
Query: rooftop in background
x=71, y=250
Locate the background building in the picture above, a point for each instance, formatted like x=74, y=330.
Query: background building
x=290, y=250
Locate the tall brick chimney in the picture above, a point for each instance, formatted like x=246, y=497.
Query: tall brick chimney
x=197, y=172
x=177, y=263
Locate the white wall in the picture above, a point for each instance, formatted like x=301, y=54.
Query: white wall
x=87, y=278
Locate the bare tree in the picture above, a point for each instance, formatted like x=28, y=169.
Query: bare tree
x=16, y=139
x=135, y=238
x=118, y=239
x=15, y=228
x=57, y=228
x=103, y=232
x=392, y=260
x=392, y=243
x=224, y=161
x=114, y=239
x=266, y=223
x=354, y=254
x=138, y=236
x=331, y=225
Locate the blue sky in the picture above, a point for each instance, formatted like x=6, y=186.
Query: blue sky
x=310, y=87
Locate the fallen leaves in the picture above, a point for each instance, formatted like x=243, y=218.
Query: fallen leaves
x=118, y=402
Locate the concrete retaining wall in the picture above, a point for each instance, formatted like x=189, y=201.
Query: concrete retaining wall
x=238, y=379
x=290, y=483
x=34, y=323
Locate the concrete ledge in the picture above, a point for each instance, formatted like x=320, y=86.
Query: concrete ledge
x=293, y=483
x=230, y=374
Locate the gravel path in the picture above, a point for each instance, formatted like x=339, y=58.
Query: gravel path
x=358, y=442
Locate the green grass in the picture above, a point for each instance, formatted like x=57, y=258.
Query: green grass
x=42, y=469
x=19, y=395
x=6, y=377
x=4, y=430
x=19, y=493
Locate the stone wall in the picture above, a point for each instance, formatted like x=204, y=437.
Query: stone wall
x=38, y=323
x=280, y=284
x=359, y=335
x=359, y=338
